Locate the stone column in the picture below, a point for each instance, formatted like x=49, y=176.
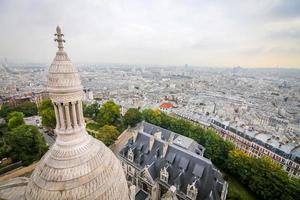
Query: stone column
x=81, y=113
x=56, y=116
x=74, y=115
x=61, y=117
x=67, y=111
x=78, y=114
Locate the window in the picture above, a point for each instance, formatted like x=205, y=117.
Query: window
x=130, y=155
x=130, y=169
x=164, y=175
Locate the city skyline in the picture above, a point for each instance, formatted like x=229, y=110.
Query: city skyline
x=198, y=33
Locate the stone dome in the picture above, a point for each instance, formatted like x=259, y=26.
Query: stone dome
x=62, y=75
x=77, y=166
x=86, y=170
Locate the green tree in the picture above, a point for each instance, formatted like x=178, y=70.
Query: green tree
x=109, y=114
x=107, y=134
x=27, y=144
x=91, y=110
x=132, y=117
x=46, y=111
x=152, y=116
x=48, y=118
x=4, y=147
x=46, y=103
x=15, y=119
x=28, y=108
x=4, y=111
x=264, y=177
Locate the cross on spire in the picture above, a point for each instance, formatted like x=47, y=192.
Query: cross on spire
x=59, y=38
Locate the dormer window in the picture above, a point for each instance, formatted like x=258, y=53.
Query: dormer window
x=164, y=175
x=192, y=191
x=130, y=155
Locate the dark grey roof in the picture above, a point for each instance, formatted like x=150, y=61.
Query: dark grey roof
x=178, y=139
x=184, y=166
x=151, y=129
x=262, y=140
x=141, y=195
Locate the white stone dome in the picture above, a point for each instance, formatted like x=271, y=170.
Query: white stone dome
x=77, y=166
x=62, y=75
x=86, y=170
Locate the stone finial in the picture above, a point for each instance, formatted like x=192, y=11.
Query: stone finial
x=59, y=38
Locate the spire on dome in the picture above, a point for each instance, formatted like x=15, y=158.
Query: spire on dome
x=59, y=38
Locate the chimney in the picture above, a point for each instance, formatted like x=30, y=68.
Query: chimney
x=152, y=139
x=157, y=135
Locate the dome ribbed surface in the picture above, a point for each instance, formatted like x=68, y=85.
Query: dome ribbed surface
x=63, y=76
x=86, y=170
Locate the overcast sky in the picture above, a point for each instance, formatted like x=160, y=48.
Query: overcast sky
x=248, y=33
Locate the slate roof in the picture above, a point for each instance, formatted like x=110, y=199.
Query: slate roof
x=179, y=140
x=287, y=151
x=141, y=195
x=183, y=165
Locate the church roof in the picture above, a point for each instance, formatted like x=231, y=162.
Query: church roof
x=183, y=165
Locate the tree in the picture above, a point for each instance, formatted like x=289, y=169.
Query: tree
x=4, y=147
x=91, y=110
x=109, y=114
x=132, y=117
x=27, y=144
x=152, y=116
x=107, y=134
x=5, y=110
x=28, y=108
x=48, y=118
x=15, y=119
x=264, y=177
x=46, y=111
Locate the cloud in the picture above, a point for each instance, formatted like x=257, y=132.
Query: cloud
x=285, y=9
x=196, y=32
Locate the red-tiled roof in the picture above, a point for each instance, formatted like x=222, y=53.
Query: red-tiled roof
x=166, y=105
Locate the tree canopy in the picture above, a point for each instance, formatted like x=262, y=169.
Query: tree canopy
x=27, y=144
x=28, y=108
x=109, y=114
x=152, y=116
x=4, y=111
x=15, y=119
x=132, y=117
x=46, y=111
x=264, y=177
x=4, y=147
x=107, y=134
x=91, y=110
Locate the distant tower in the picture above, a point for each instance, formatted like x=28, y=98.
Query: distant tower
x=77, y=166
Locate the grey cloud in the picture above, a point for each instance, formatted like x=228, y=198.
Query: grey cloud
x=147, y=32
x=285, y=9
x=290, y=33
